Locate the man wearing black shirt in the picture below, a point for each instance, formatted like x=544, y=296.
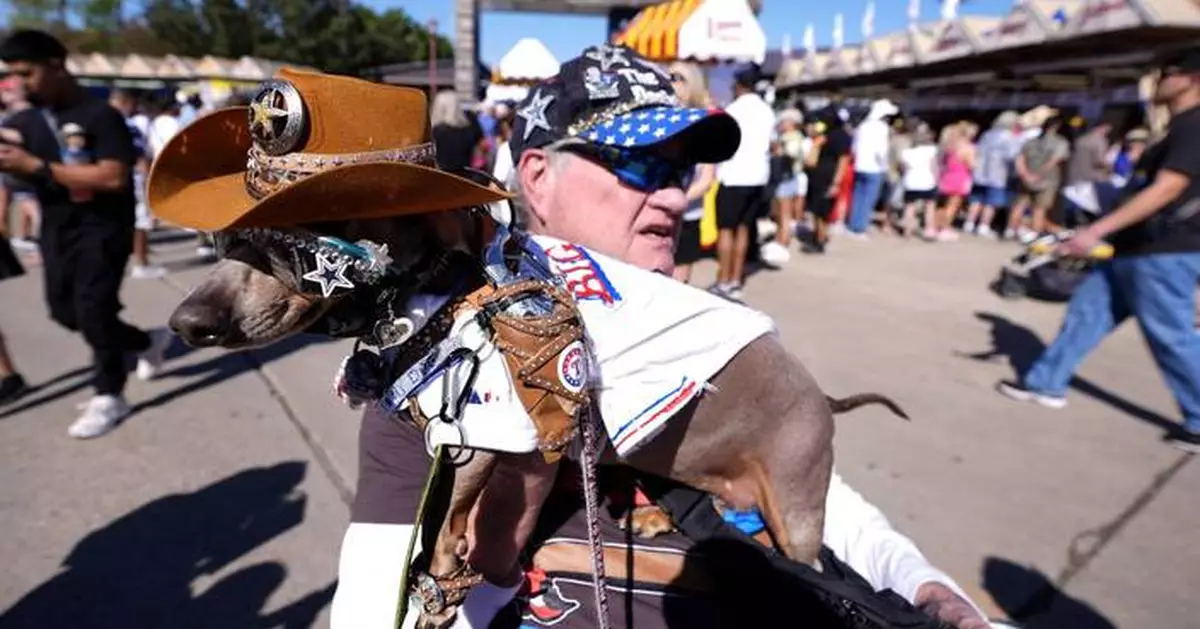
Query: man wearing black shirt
x=77, y=154
x=1153, y=274
x=827, y=165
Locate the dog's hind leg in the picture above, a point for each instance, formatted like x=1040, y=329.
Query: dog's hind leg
x=764, y=439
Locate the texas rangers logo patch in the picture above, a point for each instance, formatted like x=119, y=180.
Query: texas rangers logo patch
x=572, y=367
x=584, y=277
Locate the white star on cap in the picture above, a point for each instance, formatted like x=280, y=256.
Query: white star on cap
x=629, y=141
x=593, y=136
x=659, y=116
x=660, y=132
x=610, y=140
x=625, y=128
x=645, y=128
x=534, y=113
x=643, y=115
x=693, y=117
x=674, y=119
x=329, y=274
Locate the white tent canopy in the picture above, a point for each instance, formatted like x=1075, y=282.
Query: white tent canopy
x=723, y=30
x=527, y=61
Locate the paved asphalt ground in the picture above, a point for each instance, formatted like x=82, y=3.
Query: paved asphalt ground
x=222, y=501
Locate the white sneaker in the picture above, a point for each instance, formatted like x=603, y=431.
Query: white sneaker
x=150, y=361
x=100, y=414
x=986, y=232
x=767, y=229
x=774, y=254
x=1021, y=394
x=946, y=235
x=1009, y=234
x=969, y=228
x=147, y=272
x=23, y=244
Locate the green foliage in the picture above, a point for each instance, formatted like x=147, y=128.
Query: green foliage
x=333, y=35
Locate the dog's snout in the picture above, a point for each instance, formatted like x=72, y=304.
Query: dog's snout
x=201, y=325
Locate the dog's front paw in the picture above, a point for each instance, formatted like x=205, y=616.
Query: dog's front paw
x=648, y=521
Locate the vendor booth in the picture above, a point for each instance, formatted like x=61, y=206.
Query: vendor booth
x=526, y=63
x=705, y=31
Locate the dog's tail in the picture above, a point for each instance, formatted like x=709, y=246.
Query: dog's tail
x=842, y=405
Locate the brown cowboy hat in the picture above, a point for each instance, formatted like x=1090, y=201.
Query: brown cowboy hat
x=310, y=147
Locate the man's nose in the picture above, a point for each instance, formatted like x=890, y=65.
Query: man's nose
x=672, y=200
x=200, y=324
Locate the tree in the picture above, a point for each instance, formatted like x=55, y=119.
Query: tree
x=331, y=35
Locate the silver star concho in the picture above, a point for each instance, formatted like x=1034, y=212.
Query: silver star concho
x=329, y=274
x=534, y=113
x=277, y=100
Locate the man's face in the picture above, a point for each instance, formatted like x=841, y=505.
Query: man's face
x=1174, y=83
x=587, y=204
x=39, y=80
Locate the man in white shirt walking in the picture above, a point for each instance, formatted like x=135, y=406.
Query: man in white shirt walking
x=871, y=141
x=743, y=180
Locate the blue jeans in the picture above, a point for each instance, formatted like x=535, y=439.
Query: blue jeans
x=1159, y=290
x=867, y=187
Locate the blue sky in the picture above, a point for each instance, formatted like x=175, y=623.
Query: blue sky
x=565, y=35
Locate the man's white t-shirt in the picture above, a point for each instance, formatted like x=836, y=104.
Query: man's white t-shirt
x=162, y=129
x=920, y=167
x=655, y=343
x=871, y=140
x=751, y=164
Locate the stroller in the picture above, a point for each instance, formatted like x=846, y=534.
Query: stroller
x=1040, y=273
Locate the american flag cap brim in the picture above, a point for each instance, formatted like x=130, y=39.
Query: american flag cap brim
x=709, y=135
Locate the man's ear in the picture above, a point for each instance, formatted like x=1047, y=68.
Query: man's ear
x=536, y=179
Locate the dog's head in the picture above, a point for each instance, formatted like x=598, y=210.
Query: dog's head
x=254, y=295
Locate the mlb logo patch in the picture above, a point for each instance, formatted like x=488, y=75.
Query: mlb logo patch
x=584, y=277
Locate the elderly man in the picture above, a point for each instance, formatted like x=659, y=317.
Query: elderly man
x=625, y=203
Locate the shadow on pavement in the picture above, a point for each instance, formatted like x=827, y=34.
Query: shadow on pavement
x=1028, y=597
x=1021, y=347
x=140, y=570
x=40, y=393
x=224, y=366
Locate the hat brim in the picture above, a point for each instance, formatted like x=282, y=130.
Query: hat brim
x=198, y=181
x=709, y=136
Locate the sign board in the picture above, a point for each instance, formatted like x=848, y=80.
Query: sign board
x=950, y=41
x=1099, y=16
x=895, y=50
x=1019, y=28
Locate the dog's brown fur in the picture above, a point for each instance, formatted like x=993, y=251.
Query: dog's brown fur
x=764, y=438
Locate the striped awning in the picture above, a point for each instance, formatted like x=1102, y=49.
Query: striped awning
x=698, y=30
x=654, y=33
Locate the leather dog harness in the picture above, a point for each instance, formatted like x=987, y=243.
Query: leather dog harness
x=529, y=316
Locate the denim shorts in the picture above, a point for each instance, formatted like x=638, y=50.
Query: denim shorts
x=994, y=196
x=787, y=189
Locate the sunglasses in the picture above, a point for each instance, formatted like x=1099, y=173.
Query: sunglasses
x=637, y=168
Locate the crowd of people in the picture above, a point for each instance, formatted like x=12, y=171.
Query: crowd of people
x=811, y=175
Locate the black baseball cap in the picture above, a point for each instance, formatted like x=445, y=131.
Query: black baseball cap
x=609, y=95
x=1185, y=61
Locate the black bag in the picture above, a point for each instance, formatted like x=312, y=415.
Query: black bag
x=835, y=597
x=10, y=266
x=1055, y=282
